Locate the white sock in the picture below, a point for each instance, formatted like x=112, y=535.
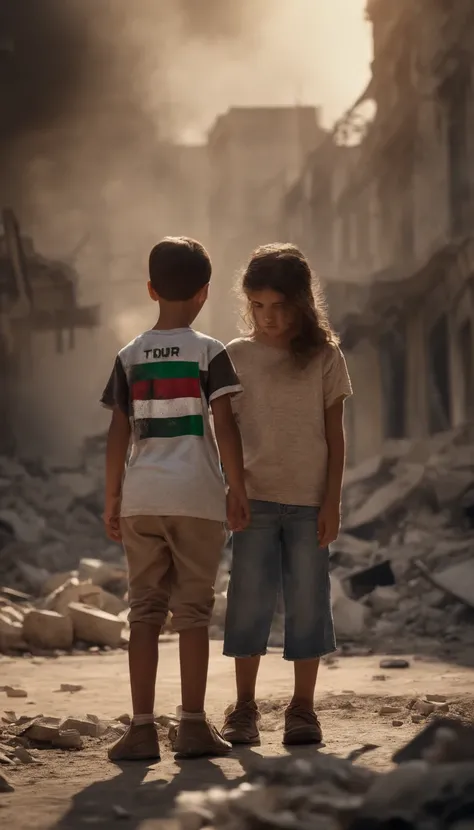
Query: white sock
x=193, y=716
x=142, y=720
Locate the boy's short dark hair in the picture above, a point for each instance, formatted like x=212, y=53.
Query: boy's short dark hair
x=179, y=267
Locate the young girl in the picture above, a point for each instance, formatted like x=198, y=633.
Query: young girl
x=290, y=415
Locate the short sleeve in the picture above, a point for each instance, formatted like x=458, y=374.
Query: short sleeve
x=222, y=378
x=116, y=393
x=336, y=381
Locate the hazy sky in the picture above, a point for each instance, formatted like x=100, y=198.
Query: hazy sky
x=306, y=51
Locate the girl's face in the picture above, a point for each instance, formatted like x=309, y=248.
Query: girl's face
x=274, y=316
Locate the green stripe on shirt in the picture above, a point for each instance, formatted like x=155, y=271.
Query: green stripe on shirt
x=167, y=369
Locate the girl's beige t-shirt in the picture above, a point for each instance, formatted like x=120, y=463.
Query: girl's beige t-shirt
x=281, y=418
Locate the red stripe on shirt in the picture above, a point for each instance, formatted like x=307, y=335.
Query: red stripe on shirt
x=166, y=389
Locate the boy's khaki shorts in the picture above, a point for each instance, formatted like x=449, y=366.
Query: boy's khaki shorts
x=173, y=563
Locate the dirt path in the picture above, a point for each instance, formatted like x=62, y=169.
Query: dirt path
x=79, y=790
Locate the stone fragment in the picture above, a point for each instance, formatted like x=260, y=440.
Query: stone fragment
x=71, y=687
x=416, y=719
x=72, y=591
x=68, y=739
x=55, y=581
x=11, y=636
x=397, y=723
x=94, y=626
x=42, y=733
x=389, y=710
x=5, y=785
x=437, y=698
x=424, y=707
x=379, y=678
x=84, y=727
x=125, y=719
x=48, y=630
x=394, y=664
x=11, y=691
x=24, y=756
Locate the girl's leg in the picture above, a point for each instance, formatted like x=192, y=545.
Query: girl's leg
x=309, y=629
x=251, y=599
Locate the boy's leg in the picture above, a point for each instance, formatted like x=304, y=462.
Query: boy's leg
x=149, y=563
x=251, y=599
x=309, y=628
x=196, y=546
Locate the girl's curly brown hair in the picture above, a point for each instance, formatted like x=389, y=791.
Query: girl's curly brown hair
x=285, y=269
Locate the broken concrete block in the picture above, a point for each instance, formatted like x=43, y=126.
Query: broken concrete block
x=56, y=581
x=48, y=630
x=94, y=626
x=72, y=591
x=364, y=582
x=424, y=707
x=68, y=739
x=13, y=614
x=100, y=573
x=11, y=691
x=349, y=618
x=11, y=636
x=84, y=727
x=389, y=710
x=387, y=498
x=42, y=732
x=384, y=599
x=99, y=598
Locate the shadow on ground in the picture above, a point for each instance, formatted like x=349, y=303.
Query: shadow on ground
x=130, y=797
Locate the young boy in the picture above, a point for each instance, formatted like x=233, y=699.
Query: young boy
x=170, y=508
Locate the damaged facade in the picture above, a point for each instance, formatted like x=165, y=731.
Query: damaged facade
x=39, y=321
x=400, y=269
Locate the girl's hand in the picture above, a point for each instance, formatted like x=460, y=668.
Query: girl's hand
x=329, y=523
x=238, y=511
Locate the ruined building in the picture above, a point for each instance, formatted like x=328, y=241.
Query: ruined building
x=39, y=321
x=255, y=155
x=399, y=268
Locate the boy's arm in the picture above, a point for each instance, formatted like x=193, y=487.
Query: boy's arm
x=118, y=439
x=329, y=520
x=230, y=450
x=116, y=397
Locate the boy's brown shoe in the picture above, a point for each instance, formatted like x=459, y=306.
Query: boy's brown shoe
x=139, y=743
x=241, y=723
x=198, y=739
x=301, y=726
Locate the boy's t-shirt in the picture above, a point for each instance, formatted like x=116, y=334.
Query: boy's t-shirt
x=281, y=419
x=165, y=381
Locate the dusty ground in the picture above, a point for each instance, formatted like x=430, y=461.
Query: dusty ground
x=78, y=790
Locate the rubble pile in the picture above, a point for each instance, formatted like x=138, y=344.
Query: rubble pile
x=402, y=567
x=432, y=789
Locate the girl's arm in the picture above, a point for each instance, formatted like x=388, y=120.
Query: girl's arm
x=330, y=512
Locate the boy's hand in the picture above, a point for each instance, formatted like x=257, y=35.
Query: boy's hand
x=112, y=520
x=238, y=511
x=329, y=522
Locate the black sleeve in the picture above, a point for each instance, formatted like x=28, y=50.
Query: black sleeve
x=117, y=392
x=222, y=377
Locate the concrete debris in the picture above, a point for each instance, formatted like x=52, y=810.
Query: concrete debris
x=410, y=505
x=94, y=626
x=394, y=664
x=10, y=691
x=322, y=791
x=48, y=630
x=70, y=687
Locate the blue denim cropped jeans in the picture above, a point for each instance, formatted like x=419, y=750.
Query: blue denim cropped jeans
x=279, y=548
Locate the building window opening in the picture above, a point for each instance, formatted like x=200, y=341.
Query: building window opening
x=392, y=346
x=439, y=392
